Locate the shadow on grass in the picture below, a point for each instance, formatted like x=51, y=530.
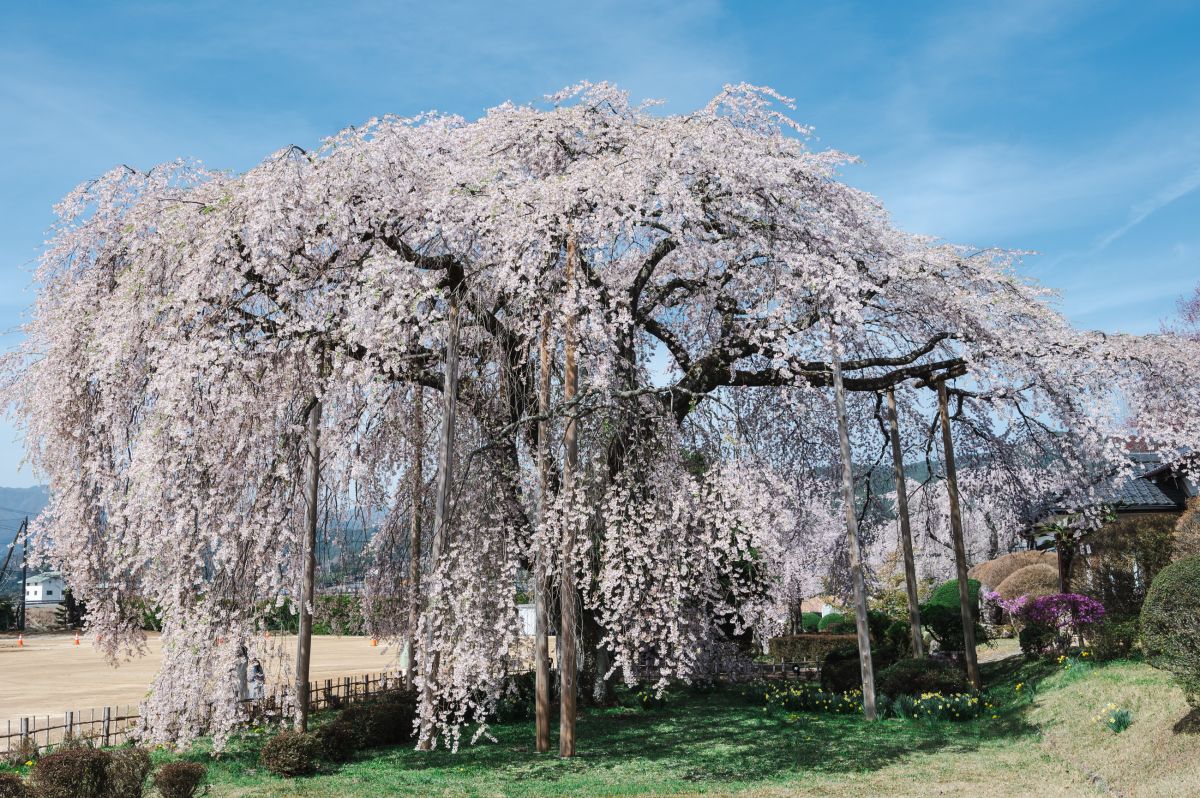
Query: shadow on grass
x=1188, y=724
x=717, y=736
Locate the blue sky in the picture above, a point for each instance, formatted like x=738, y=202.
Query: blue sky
x=1068, y=129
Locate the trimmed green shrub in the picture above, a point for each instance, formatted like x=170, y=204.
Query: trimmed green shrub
x=810, y=621
x=829, y=620
x=1114, y=638
x=12, y=786
x=1036, y=639
x=338, y=740
x=290, y=753
x=942, y=616
x=918, y=676
x=394, y=716
x=1171, y=624
x=841, y=671
x=807, y=648
x=127, y=772
x=73, y=773
x=388, y=720
x=179, y=779
x=890, y=638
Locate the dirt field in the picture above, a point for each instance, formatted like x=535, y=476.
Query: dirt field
x=50, y=675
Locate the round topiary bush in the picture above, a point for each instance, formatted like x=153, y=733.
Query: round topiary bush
x=918, y=676
x=1171, y=624
x=11, y=786
x=829, y=620
x=993, y=572
x=339, y=740
x=179, y=779
x=942, y=616
x=1032, y=581
x=810, y=621
x=127, y=772
x=290, y=753
x=72, y=773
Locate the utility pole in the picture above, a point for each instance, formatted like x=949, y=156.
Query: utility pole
x=541, y=583
x=307, y=598
x=956, y=529
x=866, y=667
x=568, y=667
x=23, y=533
x=910, y=567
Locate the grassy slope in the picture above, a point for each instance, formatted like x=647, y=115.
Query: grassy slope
x=1157, y=757
x=717, y=745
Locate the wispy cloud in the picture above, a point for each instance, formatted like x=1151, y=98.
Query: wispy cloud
x=1144, y=210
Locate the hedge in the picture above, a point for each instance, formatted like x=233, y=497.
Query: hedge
x=1171, y=624
x=809, y=647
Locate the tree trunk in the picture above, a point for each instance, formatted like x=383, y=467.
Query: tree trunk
x=440, y=514
x=910, y=566
x=417, y=433
x=567, y=666
x=304, y=634
x=856, y=568
x=1064, y=551
x=960, y=552
x=541, y=643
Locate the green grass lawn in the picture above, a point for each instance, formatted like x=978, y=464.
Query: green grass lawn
x=1043, y=742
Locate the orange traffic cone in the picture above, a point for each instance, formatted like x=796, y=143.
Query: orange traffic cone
x=20, y=641
x=77, y=638
x=374, y=642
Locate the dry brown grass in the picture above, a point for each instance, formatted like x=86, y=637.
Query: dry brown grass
x=1157, y=757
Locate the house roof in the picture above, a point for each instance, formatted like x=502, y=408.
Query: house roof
x=1153, y=488
x=44, y=577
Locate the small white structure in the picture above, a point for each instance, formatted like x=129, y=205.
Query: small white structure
x=528, y=619
x=45, y=588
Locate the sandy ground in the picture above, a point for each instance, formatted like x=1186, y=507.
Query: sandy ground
x=51, y=675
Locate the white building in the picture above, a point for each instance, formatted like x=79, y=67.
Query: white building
x=528, y=617
x=44, y=588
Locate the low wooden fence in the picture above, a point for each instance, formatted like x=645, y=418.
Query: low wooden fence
x=803, y=670
x=119, y=724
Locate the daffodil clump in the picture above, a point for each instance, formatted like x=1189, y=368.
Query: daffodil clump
x=809, y=697
x=1115, y=718
x=936, y=706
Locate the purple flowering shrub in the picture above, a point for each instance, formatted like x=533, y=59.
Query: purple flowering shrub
x=1050, y=622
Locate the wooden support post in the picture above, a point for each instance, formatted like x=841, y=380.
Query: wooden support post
x=69, y=725
x=307, y=598
x=866, y=667
x=541, y=634
x=960, y=552
x=568, y=666
x=910, y=567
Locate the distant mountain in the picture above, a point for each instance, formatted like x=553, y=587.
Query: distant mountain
x=20, y=502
